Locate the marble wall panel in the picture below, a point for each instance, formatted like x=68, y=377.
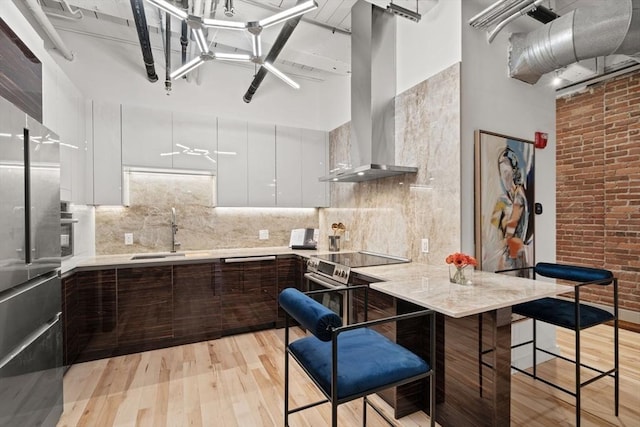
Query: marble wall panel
x=200, y=226
x=391, y=215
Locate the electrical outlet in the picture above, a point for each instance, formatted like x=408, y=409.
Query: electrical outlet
x=425, y=246
x=128, y=238
x=264, y=234
x=346, y=236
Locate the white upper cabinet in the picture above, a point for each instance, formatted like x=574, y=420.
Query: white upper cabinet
x=302, y=156
x=315, y=160
x=261, y=165
x=64, y=114
x=195, y=142
x=146, y=137
x=232, y=176
x=288, y=166
x=88, y=152
x=107, y=165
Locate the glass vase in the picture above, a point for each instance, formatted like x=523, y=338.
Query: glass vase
x=461, y=275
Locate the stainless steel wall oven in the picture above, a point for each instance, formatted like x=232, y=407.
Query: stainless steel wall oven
x=66, y=230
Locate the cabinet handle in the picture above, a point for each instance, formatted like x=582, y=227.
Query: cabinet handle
x=249, y=259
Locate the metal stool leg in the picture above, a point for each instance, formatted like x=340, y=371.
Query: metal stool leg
x=578, y=382
x=364, y=411
x=286, y=372
x=535, y=350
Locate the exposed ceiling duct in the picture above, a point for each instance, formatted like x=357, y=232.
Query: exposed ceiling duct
x=143, y=35
x=373, y=91
x=167, y=52
x=46, y=26
x=583, y=33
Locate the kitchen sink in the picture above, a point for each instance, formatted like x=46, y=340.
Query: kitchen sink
x=157, y=256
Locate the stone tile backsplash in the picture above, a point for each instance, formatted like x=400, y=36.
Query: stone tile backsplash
x=200, y=226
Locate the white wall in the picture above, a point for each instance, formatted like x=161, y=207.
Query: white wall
x=111, y=70
x=494, y=102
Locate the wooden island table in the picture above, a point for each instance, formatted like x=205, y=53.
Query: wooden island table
x=473, y=361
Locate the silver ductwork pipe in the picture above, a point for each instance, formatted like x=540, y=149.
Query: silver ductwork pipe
x=613, y=28
x=39, y=15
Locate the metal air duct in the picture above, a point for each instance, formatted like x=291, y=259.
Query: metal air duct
x=613, y=28
x=47, y=27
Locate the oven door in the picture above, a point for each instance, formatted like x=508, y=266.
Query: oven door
x=335, y=301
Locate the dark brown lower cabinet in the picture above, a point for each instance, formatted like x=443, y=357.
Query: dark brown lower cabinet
x=71, y=320
x=196, y=304
x=113, y=311
x=290, y=275
x=248, y=288
x=412, y=334
x=95, y=316
x=145, y=308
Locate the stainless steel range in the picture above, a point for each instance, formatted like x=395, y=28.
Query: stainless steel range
x=333, y=271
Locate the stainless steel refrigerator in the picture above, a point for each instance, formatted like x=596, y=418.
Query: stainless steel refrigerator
x=30, y=294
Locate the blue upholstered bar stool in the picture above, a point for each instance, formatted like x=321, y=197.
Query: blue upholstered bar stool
x=351, y=361
x=574, y=315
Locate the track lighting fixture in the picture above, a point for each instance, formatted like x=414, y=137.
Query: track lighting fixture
x=199, y=24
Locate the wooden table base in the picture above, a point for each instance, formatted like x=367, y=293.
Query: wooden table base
x=474, y=384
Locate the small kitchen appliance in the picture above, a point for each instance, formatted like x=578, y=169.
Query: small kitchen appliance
x=304, y=238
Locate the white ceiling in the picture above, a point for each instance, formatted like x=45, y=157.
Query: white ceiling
x=320, y=45
x=318, y=48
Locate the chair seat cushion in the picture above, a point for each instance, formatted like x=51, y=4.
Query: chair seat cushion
x=366, y=360
x=561, y=313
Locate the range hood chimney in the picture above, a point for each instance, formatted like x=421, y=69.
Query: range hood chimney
x=373, y=91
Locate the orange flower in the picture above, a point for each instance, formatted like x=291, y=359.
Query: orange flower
x=461, y=260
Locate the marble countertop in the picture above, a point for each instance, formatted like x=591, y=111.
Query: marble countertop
x=429, y=286
x=124, y=260
x=423, y=284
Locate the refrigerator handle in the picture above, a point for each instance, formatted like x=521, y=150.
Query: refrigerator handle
x=30, y=339
x=27, y=197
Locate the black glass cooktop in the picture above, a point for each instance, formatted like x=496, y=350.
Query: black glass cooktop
x=360, y=259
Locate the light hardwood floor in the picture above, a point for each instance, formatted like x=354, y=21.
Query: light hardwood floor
x=238, y=381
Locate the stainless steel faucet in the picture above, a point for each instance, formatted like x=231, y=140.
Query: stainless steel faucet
x=174, y=230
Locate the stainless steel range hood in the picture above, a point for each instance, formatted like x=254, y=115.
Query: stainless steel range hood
x=373, y=91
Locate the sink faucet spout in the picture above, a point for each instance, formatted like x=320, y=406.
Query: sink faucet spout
x=174, y=230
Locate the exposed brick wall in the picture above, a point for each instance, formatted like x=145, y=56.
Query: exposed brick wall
x=598, y=183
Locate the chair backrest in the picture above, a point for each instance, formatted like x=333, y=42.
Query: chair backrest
x=574, y=273
x=312, y=315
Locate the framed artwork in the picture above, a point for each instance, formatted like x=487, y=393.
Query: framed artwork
x=504, y=202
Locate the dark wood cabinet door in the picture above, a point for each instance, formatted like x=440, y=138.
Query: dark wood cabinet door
x=96, y=314
x=289, y=270
x=260, y=282
x=196, y=303
x=145, y=309
x=70, y=320
x=248, y=292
